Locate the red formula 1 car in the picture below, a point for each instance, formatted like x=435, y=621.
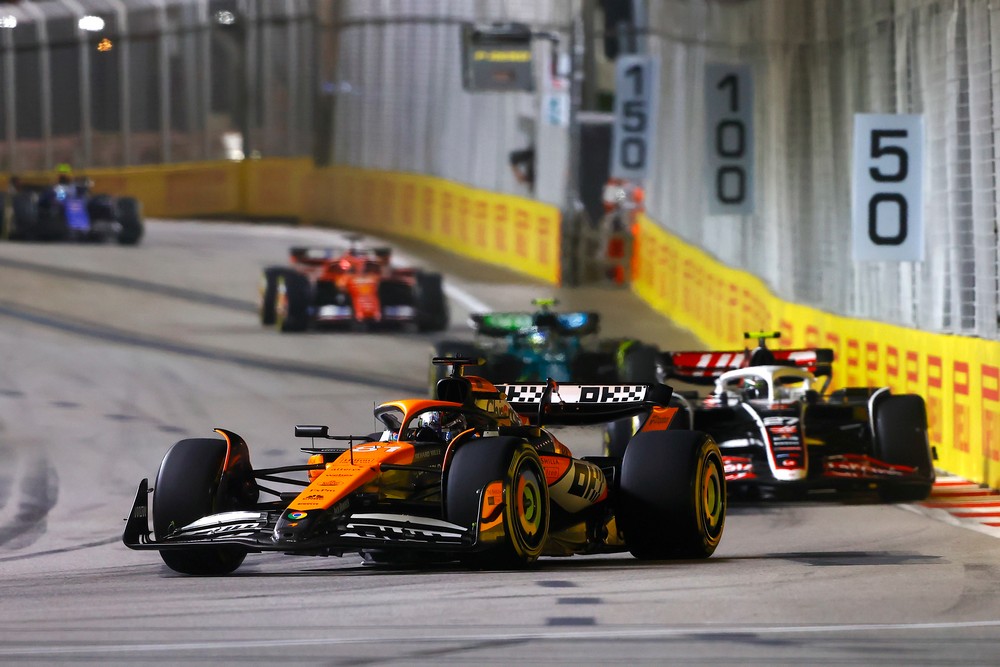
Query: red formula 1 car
x=780, y=432
x=352, y=287
x=461, y=477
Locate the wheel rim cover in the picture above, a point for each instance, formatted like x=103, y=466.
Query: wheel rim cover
x=713, y=495
x=528, y=505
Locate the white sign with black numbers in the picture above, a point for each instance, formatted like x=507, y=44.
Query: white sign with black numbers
x=637, y=83
x=888, y=207
x=729, y=139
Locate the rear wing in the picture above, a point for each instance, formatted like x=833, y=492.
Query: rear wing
x=705, y=367
x=320, y=254
x=583, y=404
x=498, y=324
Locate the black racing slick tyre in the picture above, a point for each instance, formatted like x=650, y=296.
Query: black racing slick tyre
x=187, y=488
x=497, y=486
x=593, y=367
x=24, y=216
x=617, y=435
x=128, y=211
x=901, y=439
x=432, y=307
x=291, y=309
x=637, y=363
x=672, y=495
x=267, y=293
x=504, y=368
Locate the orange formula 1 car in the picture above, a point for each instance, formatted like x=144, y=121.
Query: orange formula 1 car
x=462, y=476
x=356, y=286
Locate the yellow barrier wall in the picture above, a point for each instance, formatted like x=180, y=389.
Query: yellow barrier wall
x=508, y=231
x=959, y=377
x=175, y=191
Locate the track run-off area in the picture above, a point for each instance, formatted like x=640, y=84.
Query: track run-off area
x=110, y=354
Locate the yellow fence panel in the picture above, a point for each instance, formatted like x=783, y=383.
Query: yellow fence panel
x=958, y=377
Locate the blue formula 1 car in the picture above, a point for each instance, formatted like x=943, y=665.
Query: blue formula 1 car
x=68, y=211
x=536, y=346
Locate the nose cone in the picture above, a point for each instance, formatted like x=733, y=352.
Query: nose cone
x=294, y=526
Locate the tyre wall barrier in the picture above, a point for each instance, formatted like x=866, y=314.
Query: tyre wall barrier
x=958, y=376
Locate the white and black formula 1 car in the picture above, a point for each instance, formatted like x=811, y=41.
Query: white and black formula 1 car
x=462, y=476
x=782, y=434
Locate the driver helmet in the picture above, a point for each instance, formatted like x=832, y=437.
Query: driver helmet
x=453, y=424
x=446, y=425
x=755, y=388
x=431, y=419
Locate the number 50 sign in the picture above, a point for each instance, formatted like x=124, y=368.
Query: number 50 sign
x=888, y=192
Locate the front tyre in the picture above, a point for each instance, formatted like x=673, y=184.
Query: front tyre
x=187, y=488
x=497, y=486
x=672, y=496
x=128, y=211
x=267, y=294
x=901, y=439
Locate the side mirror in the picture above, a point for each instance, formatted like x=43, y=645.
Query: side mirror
x=311, y=431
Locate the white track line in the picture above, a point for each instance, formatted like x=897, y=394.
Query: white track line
x=458, y=636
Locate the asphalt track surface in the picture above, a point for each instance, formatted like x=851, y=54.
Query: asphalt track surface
x=108, y=355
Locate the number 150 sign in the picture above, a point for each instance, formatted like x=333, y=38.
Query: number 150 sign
x=888, y=187
x=636, y=91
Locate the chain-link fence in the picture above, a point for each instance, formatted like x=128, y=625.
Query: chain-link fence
x=110, y=82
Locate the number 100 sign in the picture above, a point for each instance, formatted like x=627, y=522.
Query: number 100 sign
x=888, y=187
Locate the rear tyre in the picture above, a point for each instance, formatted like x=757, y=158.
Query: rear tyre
x=637, y=364
x=504, y=368
x=672, y=501
x=616, y=437
x=901, y=439
x=24, y=216
x=187, y=488
x=507, y=470
x=432, y=307
x=593, y=367
x=128, y=211
x=291, y=309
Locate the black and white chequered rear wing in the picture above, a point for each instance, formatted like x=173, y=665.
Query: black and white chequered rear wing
x=582, y=404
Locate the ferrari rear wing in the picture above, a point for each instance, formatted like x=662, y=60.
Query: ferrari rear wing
x=705, y=367
x=320, y=254
x=583, y=404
